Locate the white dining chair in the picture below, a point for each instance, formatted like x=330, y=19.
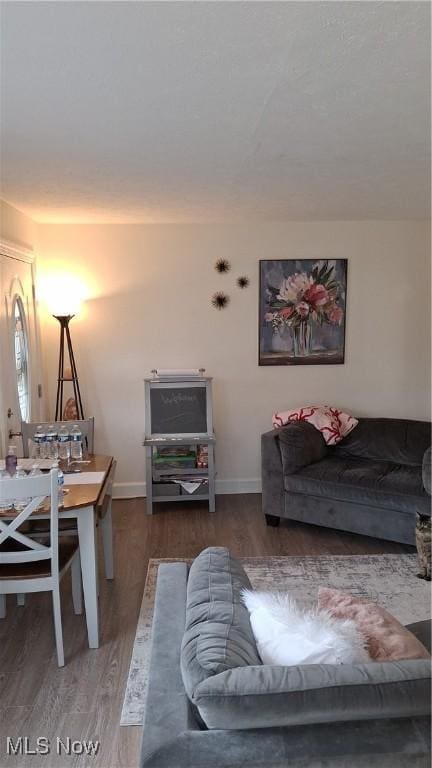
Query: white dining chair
x=29, y=565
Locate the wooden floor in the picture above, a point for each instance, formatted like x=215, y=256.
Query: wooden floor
x=84, y=699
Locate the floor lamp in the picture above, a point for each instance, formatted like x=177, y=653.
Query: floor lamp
x=64, y=321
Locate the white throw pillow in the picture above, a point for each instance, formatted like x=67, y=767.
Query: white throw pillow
x=287, y=634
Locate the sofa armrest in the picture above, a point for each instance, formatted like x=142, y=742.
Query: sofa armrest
x=168, y=711
x=284, y=451
x=272, y=474
x=426, y=470
x=300, y=444
x=272, y=696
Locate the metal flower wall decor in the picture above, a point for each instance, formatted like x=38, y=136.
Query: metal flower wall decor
x=222, y=266
x=220, y=300
x=243, y=281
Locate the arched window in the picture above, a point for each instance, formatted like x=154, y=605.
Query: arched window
x=20, y=342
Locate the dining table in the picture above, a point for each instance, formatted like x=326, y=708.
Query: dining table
x=87, y=500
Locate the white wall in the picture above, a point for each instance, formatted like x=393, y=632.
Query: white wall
x=151, y=288
x=16, y=226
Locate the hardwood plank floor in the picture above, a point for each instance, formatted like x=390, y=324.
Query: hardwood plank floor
x=84, y=699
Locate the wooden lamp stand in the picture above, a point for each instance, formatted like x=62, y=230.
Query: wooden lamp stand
x=64, y=321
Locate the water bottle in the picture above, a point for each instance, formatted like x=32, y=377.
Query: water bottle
x=60, y=482
x=51, y=442
x=35, y=472
x=35, y=449
x=76, y=442
x=5, y=503
x=40, y=443
x=20, y=503
x=11, y=460
x=63, y=443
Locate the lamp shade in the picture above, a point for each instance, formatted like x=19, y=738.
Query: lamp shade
x=62, y=294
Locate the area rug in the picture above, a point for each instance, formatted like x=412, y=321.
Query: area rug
x=389, y=580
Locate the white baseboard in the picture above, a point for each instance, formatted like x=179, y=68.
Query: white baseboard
x=137, y=490
x=249, y=485
x=128, y=490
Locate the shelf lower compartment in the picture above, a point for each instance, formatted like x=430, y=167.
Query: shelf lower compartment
x=192, y=439
x=179, y=472
x=182, y=497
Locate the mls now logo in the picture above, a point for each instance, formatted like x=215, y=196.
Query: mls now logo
x=43, y=746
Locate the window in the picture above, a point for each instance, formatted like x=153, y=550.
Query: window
x=21, y=357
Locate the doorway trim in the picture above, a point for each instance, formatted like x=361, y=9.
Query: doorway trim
x=27, y=255
x=15, y=251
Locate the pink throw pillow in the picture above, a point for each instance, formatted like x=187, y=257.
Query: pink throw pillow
x=333, y=424
x=388, y=640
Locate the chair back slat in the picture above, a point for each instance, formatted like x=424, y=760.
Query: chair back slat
x=36, y=489
x=25, y=556
x=28, y=429
x=30, y=486
x=12, y=528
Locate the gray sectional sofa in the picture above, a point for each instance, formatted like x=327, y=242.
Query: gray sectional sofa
x=211, y=702
x=370, y=483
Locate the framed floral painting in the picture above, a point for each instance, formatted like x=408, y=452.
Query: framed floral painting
x=302, y=311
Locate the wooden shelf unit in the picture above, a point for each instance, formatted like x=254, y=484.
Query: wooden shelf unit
x=156, y=475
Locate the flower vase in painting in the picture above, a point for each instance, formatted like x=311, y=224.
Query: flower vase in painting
x=305, y=300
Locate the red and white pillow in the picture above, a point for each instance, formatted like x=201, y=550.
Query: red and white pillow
x=333, y=424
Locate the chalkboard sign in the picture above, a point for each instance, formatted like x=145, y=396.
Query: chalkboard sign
x=178, y=408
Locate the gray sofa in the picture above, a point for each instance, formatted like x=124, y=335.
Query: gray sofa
x=370, y=483
x=212, y=703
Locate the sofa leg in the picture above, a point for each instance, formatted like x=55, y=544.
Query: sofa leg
x=272, y=520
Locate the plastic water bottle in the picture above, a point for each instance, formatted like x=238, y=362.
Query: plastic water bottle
x=11, y=460
x=35, y=449
x=76, y=442
x=20, y=503
x=35, y=472
x=5, y=503
x=40, y=443
x=60, y=482
x=51, y=442
x=63, y=443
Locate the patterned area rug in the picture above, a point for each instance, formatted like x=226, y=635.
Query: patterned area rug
x=389, y=580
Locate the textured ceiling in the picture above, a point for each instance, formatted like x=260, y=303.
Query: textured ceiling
x=190, y=111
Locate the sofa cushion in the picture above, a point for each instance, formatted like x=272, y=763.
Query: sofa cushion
x=400, y=441
x=271, y=696
x=387, y=638
x=218, y=635
x=422, y=631
x=365, y=481
x=300, y=444
x=289, y=634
